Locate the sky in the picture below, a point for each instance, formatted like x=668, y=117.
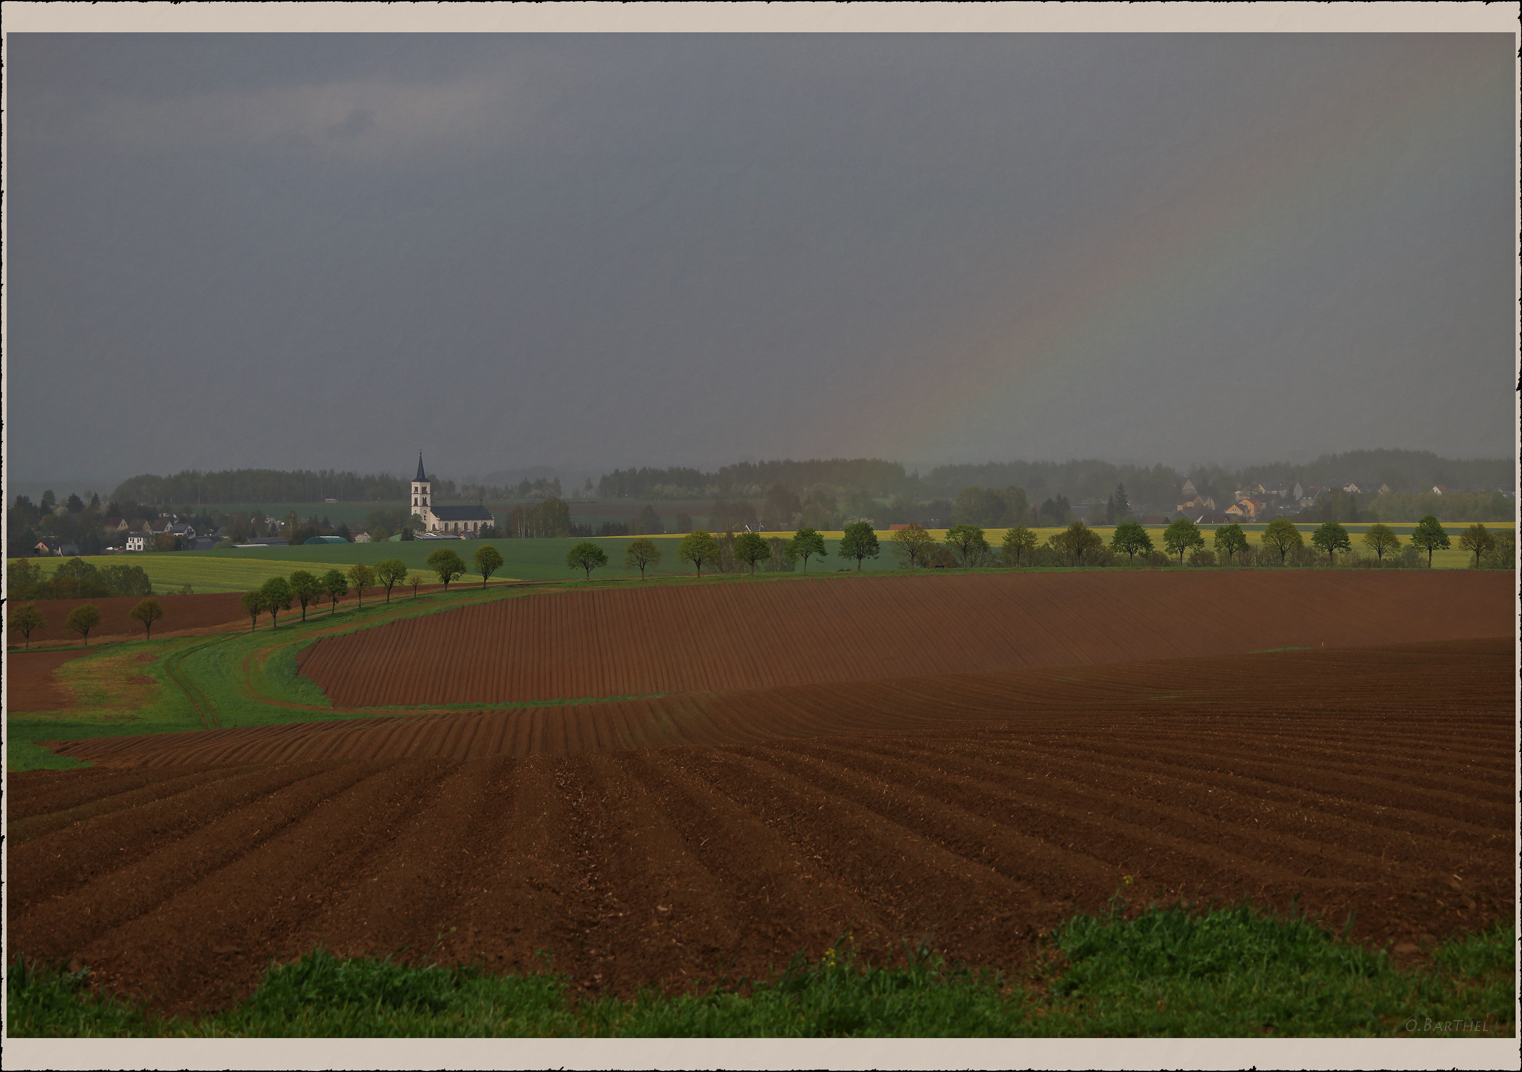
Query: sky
x=588, y=251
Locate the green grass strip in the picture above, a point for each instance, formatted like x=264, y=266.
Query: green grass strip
x=1229, y=972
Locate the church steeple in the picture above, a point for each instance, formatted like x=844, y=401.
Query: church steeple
x=420, y=495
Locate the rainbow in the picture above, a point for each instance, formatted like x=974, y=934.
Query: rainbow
x=1170, y=260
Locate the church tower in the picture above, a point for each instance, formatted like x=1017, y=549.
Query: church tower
x=420, y=494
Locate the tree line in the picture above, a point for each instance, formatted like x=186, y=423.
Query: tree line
x=746, y=479
x=74, y=579
x=1352, y=508
x=731, y=551
x=305, y=589
x=1281, y=543
x=264, y=486
x=966, y=545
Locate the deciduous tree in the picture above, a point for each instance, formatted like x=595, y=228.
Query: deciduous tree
x=415, y=580
x=447, y=565
x=26, y=620
x=1075, y=541
x=148, y=612
x=912, y=544
x=968, y=542
x=278, y=596
x=859, y=542
x=698, y=547
x=336, y=585
x=1429, y=535
x=1331, y=538
x=805, y=543
x=783, y=559
x=1477, y=539
x=1128, y=538
x=941, y=557
x=1379, y=539
x=488, y=561
x=361, y=576
x=389, y=573
x=1017, y=543
x=253, y=606
x=641, y=553
x=1282, y=535
x=307, y=588
x=585, y=556
x=82, y=619
x=1180, y=536
x=1230, y=540
x=750, y=548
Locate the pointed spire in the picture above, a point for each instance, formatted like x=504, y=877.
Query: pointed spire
x=420, y=475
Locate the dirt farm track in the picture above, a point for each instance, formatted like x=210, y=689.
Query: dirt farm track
x=721, y=829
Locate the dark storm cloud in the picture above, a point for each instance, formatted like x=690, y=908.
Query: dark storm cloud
x=334, y=250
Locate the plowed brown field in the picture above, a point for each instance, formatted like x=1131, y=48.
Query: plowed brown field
x=697, y=638
x=1374, y=781
x=182, y=614
x=29, y=681
x=1038, y=697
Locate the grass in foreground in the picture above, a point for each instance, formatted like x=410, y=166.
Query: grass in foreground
x=1168, y=972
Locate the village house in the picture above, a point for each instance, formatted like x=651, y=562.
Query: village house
x=1248, y=509
x=139, y=541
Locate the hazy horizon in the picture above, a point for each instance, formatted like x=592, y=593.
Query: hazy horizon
x=581, y=252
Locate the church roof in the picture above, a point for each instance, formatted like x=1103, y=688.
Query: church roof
x=462, y=513
x=420, y=476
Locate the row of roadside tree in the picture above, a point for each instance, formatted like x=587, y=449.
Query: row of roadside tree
x=306, y=588
x=1280, y=543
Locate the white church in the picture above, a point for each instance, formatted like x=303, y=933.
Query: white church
x=463, y=521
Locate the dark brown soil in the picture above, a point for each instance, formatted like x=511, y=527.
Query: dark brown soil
x=182, y=615
x=30, y=684
x=698, y=638
x=971, y=810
